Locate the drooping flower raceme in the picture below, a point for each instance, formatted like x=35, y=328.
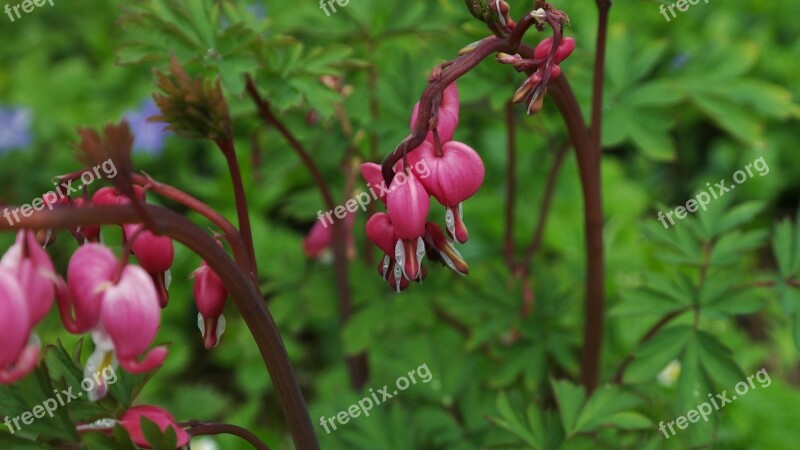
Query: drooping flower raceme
x=453, y=173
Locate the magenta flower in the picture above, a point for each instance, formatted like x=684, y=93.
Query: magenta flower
x=90, y=270
x=209, y=295
x=320, y=238
x=109, y=196
x=19, y=352
x=155, y=255
x=447, y=115
x=381, y=232
x=120, y=305
x=408, y=204
x=34, y=272
x=131, y=316
x=455, y=176
x=132, y=422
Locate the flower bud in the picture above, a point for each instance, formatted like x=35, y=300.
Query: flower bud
x=209, y=295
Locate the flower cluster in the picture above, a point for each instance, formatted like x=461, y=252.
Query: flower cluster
x=119, y=303
x=403, y=232
x=545, y=67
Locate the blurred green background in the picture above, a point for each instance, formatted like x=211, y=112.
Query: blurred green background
x=687, y=102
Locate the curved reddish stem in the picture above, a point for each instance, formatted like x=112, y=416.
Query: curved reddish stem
x=243, y=291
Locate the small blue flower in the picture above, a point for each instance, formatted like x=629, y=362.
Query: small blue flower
x=148, y=136
x=679, y=61
x=15, y=128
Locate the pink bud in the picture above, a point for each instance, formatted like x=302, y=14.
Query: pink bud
x=408, y=204
x=155, y=253
x=543, y=48
x=448, y=115
x=90, y=269
x=565, y=49
x=209, y=295
x=381, y=232
x=109, y=196
x=90, y=232
x=131, y=315
x=17, y=358
x=132, y=422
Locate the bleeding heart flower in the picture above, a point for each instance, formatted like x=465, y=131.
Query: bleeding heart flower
x=320, y=237
x=447, y=115
x=90, y=270
x=19, y=352
x=408, y=205
x=131, y=315
x=132, y=422
x=155, y=255
x=454, y=177
x=35, y=273
x=209, y=295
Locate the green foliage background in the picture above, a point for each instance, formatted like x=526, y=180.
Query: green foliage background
x=687, y=102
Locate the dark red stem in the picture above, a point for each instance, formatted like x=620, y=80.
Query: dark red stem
x=243, y=291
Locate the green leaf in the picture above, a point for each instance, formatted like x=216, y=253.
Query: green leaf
x=655, y=354
x=717, y=359
x=570, y=400
x=603, y=403
x=17, y=443
x=630, y=420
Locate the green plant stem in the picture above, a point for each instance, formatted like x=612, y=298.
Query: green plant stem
x=243, y=291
